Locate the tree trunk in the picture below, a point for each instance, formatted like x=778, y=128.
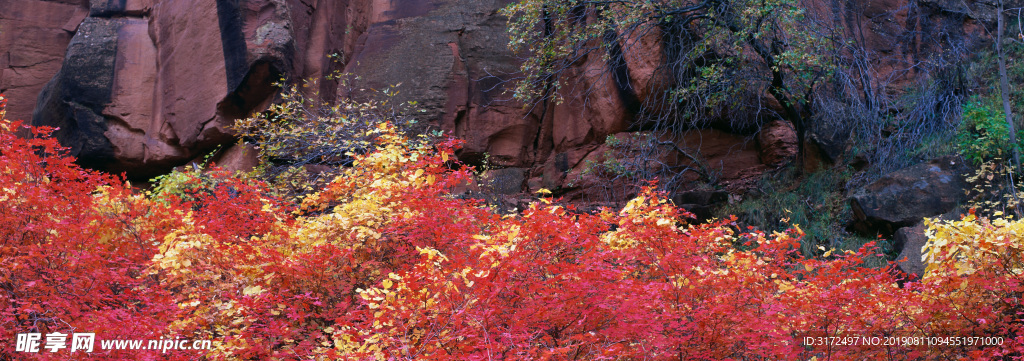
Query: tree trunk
x=1004, y=86
x=1004, y=89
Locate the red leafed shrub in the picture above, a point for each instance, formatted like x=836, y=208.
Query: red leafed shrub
x=75, y=246
x=383, y=263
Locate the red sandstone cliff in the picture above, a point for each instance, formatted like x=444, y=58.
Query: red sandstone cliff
x=140, y=86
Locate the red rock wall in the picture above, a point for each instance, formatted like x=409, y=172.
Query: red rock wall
x=34, y=34
x=165, y=77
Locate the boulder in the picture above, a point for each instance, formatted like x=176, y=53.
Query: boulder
x=903, y=198
x=237, y=158
x=910, y=241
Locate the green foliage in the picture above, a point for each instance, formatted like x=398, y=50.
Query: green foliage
x=983, y=134
x=815, y=202
x=193, y=184
x=177, y=183
x=614, y=163
x=185, y=182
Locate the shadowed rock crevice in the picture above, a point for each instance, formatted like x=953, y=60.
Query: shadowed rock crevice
x=620, y=72
x=229, y=18
x=254, y=90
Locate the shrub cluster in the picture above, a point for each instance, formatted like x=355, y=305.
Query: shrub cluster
x=304, y=139
x=984, y=134
x=382, y=263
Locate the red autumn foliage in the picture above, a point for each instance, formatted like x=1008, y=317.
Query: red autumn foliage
x=385, y=264
x=74, y=248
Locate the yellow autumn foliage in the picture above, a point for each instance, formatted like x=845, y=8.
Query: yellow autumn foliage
x=973, y=244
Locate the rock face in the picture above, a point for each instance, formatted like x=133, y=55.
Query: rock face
x=141, y=86
x=778, y=143
x=147, y=85
x=34, y=35
x=450, y=57
x=903, y=197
